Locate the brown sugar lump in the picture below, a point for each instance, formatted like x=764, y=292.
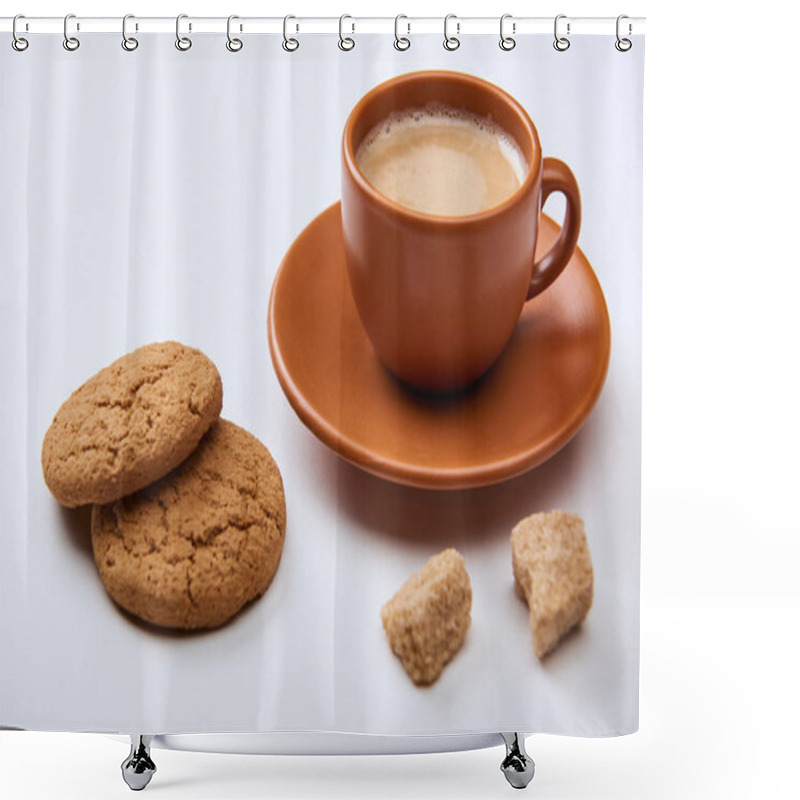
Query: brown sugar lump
x=553, y=573
x=192, y=549
x=428, y=618
x=130, y=424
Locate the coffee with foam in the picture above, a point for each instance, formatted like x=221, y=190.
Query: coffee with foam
x=441, y=160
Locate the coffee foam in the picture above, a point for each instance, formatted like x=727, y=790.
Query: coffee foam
x=474, y=169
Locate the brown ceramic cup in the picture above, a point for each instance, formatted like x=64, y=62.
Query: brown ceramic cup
x=438, y=296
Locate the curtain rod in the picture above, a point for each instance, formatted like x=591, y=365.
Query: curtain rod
x=462, y=26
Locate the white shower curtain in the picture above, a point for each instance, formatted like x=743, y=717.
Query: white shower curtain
x=152, y=195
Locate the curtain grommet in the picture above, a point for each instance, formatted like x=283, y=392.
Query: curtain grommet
x=623, y=44
x=233, y=44
x=346, y=43
x=183, y=43
x=401, y=43
x=129, y=43
x=451, y=43
x=289, y=44
x=561, y=43
x=71, y=43
x=19, y=43
x=507, y=43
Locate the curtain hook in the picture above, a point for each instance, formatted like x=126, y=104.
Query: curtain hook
x=401, y=42
x=623, y=45
x=129, y=43
x=346, y=42
x=289, y=44
x=71, y=43
x=18, y=43
x=234, y=45
x=561, y=43
x=181, y=42
x=507, y=42
x=451, y=42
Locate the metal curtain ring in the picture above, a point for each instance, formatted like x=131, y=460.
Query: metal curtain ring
x=182, y=42
x=18, y=43
x=623, y=45
x=507, y=42
x=401, y=42
x=451, y=42
x=561, y=43
x=346, y=42
x=289, y=44
x=234, y=45
x=128, y=42
x=70, y=42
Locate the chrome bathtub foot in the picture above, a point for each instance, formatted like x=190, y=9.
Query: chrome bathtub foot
x=138, y=768
x=517, y=766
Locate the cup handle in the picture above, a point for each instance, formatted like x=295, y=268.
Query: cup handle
x=557, y=177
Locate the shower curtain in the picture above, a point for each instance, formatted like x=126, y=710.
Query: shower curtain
x=193, y=196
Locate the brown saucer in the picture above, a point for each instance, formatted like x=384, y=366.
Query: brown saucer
x=526, y=408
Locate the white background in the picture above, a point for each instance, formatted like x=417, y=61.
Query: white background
x=719, y=694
